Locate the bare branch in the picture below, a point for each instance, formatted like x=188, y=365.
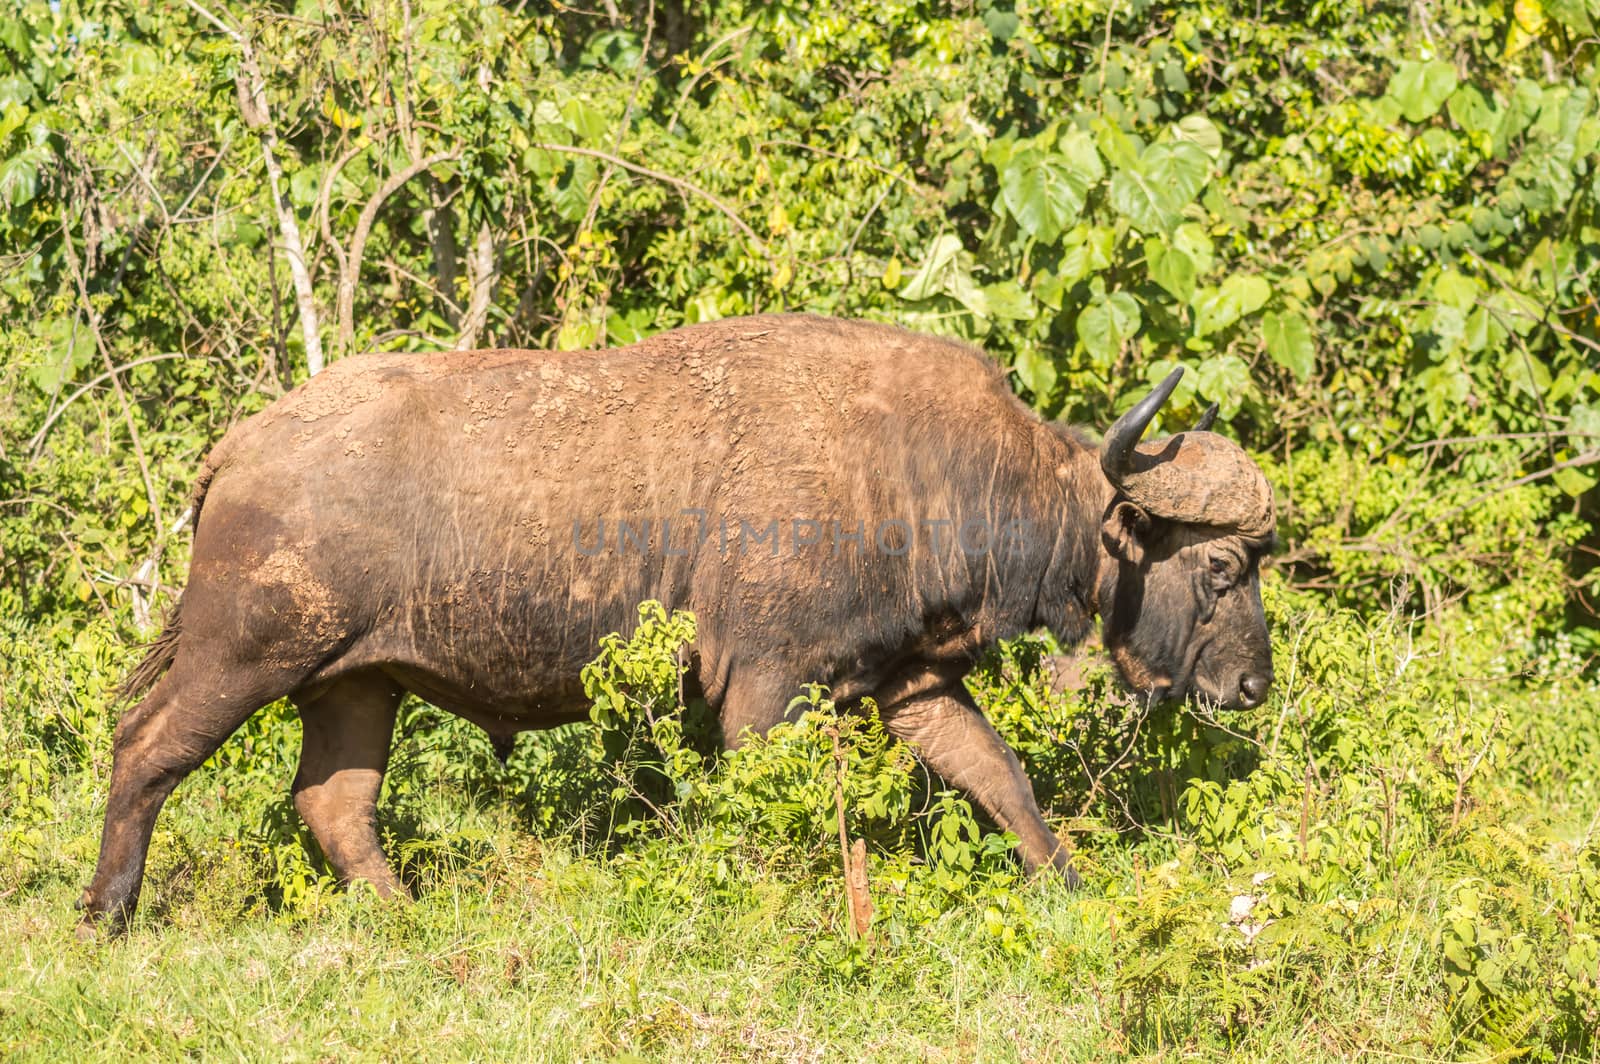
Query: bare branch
x=686, y=187
x=351, y=271
x=482, y=273
x=257, y=115
x=55, y=415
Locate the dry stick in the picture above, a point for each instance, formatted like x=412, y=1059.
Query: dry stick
x=358, y=241
x=252, y=90
x=858, y=903
x=93, y=317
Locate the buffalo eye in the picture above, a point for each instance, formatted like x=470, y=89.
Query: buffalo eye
x=1221, y=573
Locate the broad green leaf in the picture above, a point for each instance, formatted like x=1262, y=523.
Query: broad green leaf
x=1191, y=239
x=571, y=199
x=1576, y=480
x=1239, y=296
x=1008, y=299
x=1446, y=324
x=1202, y=133
x=1421, y=88
x=1170, y=268
x=12, y=115
x=928, y=281
x=1152, y=194
x=1525, y=373
x=1105, y=325
x=1288, y=338
x=586, y=120
x=1036, y=371
x=1088, y=251
x=1224, y=380
x=1483, y=331
x=1042, y=192
x=1077, y=147
x=19, y=178
x=1456, y=289
x=1570, y=13
x=959, y=285
x=1116, y=147
x=304, y=186
x=1470, y=110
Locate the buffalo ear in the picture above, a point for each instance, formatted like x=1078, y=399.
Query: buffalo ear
x=1124, y=531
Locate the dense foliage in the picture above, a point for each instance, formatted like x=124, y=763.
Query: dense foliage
x=1368, y=229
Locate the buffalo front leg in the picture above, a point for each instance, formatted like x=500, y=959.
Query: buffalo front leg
x=952, y=737
x=344, y=750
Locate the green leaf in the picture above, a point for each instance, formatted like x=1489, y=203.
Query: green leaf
x=1239, y=296
x=1088, y=251
x=1045, y=192
x=1224, y=380
x=1288, y=338
x=1008, y=299
x=571, y=199
x=1570, y=13
x=586, y=120
x=1191, y=239
x=1457, y=290
x=1152, y=194
x=1077, y=147
x=19, y=178
x=1170, y=268
x=1036, y=371
x=1105, y=325
x=1421, y=88
x=1469, y=109
x=304, y=187
x=1202, y=133
x=928, y=281
x=1575, y=481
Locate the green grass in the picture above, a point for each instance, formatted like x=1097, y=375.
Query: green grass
x=521, y=948
x=1320, y=879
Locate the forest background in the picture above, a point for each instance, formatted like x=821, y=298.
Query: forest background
x=1368, y=229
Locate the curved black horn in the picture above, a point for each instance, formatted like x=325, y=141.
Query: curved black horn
x=1123, y=437
x=1207, y=419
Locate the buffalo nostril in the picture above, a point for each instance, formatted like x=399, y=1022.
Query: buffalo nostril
x=1253, y=687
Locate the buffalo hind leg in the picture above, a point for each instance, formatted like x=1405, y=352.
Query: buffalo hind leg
x=344, y=750
x=953, y=738
x=183, y=720
x=756, y=700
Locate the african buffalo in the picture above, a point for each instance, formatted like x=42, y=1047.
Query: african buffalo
x=838, y=502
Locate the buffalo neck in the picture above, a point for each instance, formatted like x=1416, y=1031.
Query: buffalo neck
x=1073, y=495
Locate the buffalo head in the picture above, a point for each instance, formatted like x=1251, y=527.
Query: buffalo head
x=1179, y=588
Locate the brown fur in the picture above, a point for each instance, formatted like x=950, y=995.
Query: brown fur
x=406, y=523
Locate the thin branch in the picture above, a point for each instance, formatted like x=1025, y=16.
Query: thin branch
x=251, y=87
x=358, y=241
x=686, y=187
x=38, y=437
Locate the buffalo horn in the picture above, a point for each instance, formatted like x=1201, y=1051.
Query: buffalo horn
x=1195, y=477
x=1116, y=452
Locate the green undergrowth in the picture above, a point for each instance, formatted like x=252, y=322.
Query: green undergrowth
x=1398, y=853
